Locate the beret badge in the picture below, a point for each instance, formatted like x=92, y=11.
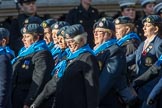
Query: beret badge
x=56, y=26
x=26, y=21
x=148, y=20
x=62, y=33
x=101, y=24
x=117, y=21
x=24, y=30
x=44, y=24
x=103, y=19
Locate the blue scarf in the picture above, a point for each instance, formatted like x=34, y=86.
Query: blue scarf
x=2, y=50
x=60, y=68
x=50, y=45
x=105, y=45
x=129, y=36
x=159, y=62
x=9, y=51
x=35, y=47
x=55, y=51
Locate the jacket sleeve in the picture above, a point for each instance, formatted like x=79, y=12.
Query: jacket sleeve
x=155, y=91
x=5, y=79
x=112, y=70
x=42, y=68
x=49, y=90
x=147, y=76
x=91, y=76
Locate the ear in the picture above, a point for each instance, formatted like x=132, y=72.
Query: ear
x=156, y=29
x=4, y=42
x=127, y=29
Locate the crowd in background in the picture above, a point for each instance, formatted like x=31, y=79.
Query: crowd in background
x=84, y=61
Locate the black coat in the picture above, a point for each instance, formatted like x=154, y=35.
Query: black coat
x=78, y=87
x=87, y=18
x=5, y=82
x=29, y=79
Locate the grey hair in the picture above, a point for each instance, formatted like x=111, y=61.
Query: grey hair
x=81, y=36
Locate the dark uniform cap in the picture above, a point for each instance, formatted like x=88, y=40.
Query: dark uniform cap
x=32, y=28
x=25, y=1
x=62, y=30
x=144, y=2
x=105, y=23
x=158, y=8
x=74, y=30
x=123, y=20
x=153, y=19
x=59, y=24
x=47, y=23
x=33, y=20
x=4, y=33
x=127, y=3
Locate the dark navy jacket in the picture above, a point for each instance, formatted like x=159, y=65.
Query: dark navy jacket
x=144, y=61
x=5, y=82
x=112, y=79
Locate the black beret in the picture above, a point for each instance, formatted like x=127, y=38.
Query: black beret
x=4, y=33
x=152, y=19
x=59, y=24
x=123, y=20
x=74, y=30
x=33, y=28
x=105, y=23
x=62, y=31
x=33, y=20
x=47, y=23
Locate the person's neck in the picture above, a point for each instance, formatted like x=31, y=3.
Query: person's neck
x=150, y=38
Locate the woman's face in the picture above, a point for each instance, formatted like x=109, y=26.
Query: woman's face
x=48, y=35
x=72, y=44
x=100, y=36
x=149, y=9
x=149, y=29
x=28, y=40
x=120, y=30
x=129, y=12
x=54, y=36
x=61, y=42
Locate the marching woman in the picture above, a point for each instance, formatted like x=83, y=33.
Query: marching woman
x=147, y=54
x=50, y=88
x=78, y=87
x=31, y=68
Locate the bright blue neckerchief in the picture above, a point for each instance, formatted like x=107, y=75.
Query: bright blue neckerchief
x=55, y=50
x=60, y=68
x=159, y=62
x=9, y=51
x=2, y=50
x=129, y=36
x=105, y=45
x=50, y=45
x=37, y=46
